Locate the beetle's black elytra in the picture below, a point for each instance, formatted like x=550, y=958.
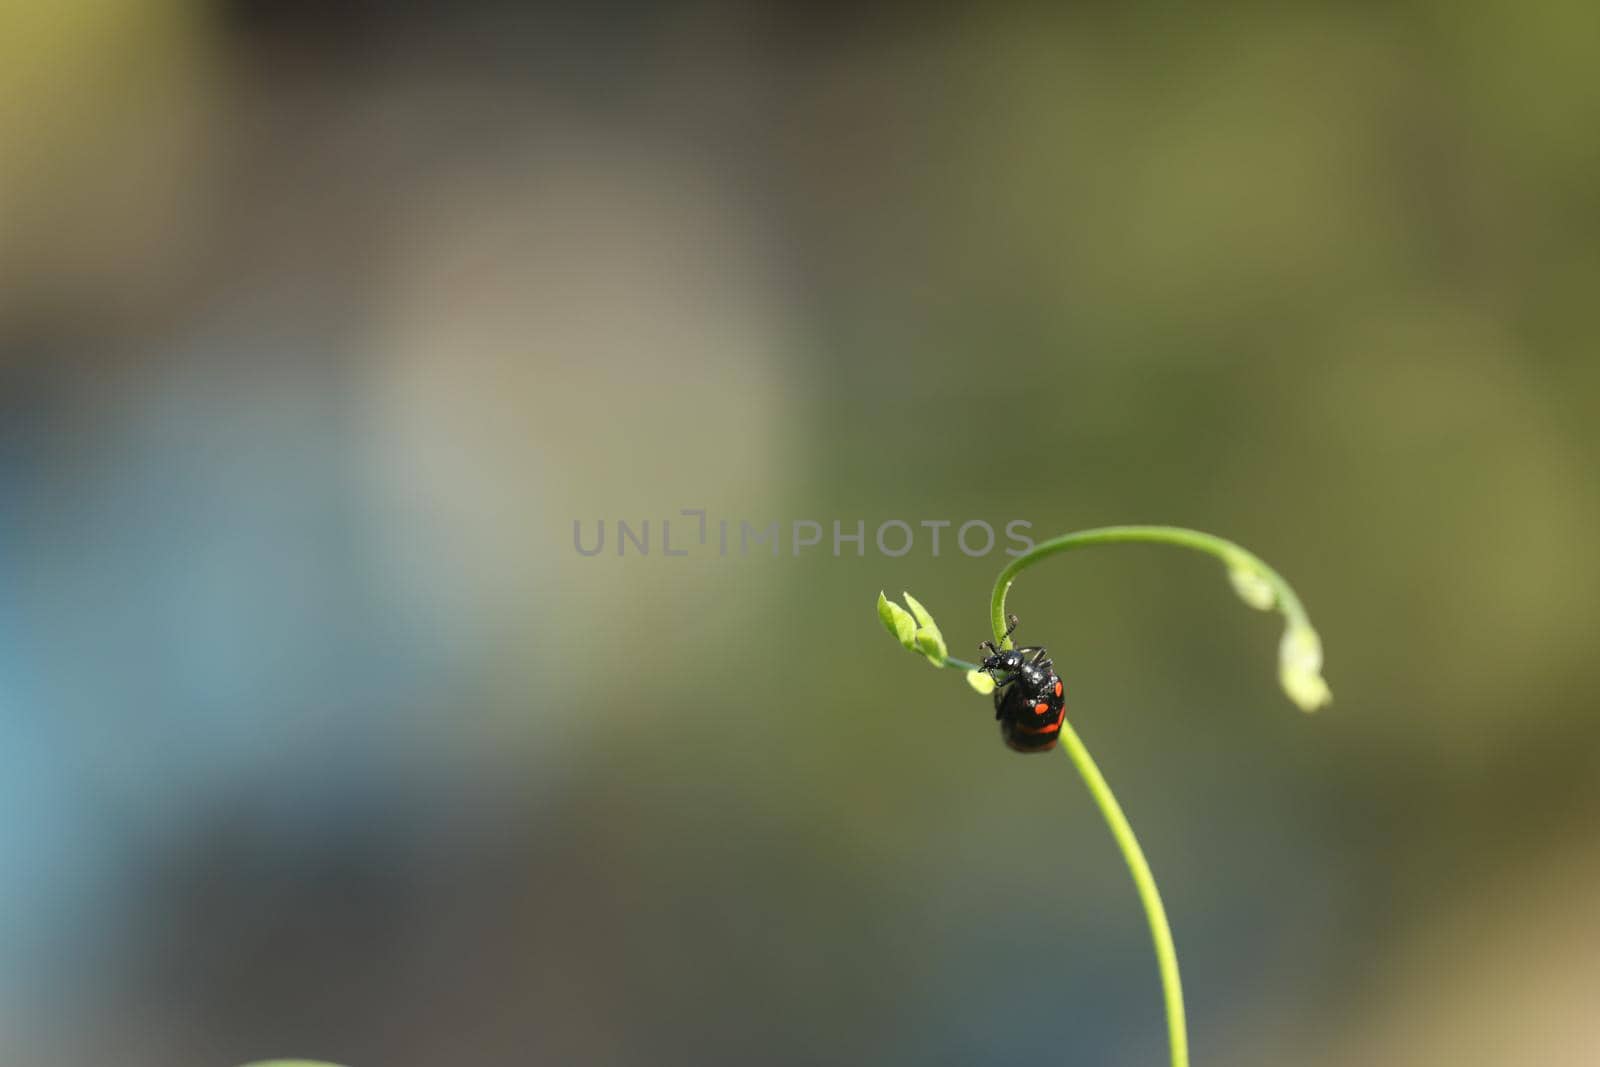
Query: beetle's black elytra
x=1029, y=699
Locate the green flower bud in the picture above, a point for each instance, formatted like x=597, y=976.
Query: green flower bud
x=915, y=628
x=930, y=642
x=898, y=621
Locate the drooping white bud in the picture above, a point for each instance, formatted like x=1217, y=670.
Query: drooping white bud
x=1300, y=668
x=1252, y=586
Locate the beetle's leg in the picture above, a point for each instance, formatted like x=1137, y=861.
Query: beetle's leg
x=1011, y=625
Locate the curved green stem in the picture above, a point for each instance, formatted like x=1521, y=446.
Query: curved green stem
x=1145, y=882
x=1235, y=556
x=1300, y=671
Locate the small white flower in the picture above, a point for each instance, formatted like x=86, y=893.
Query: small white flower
x=1300, y=668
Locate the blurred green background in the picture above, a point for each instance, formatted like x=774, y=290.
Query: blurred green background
x=322, y=324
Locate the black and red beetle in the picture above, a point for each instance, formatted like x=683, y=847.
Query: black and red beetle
x=1028, y=696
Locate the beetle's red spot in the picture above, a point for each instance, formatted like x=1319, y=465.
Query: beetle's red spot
x=1040, y=708
x=1058, y=687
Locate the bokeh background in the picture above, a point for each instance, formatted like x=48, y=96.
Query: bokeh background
x=321, y=324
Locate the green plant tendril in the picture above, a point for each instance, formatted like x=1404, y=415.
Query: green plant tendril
x=1299, y=672
x=1300, y=669
x=1240, y=561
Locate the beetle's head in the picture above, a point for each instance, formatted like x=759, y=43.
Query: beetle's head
x=1006, y=659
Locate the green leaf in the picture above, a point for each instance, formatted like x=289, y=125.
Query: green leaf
x=981, y=681
x=924, y=620
x=930, y=642
x=898, y=621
